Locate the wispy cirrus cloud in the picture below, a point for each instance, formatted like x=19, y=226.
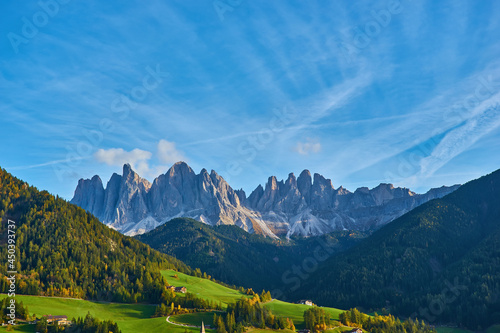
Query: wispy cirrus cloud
x=462, y=138
x=436, y=132
x=226, y=78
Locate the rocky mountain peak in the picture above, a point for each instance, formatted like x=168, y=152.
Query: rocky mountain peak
x=127, y=169
x=96, y=180
x=272, y=184
x=322, y=182
x=304, y=182
x=363, y=190
x=305, y=205
x=386, y=186
x=291, y=181
x=216, y=179
x=342, y=191
x=90, y=194
x=132, y=178
x=255, y=196
x=180, y=169
x=241, y=196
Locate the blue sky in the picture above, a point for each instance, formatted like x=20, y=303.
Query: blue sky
x=405, y=92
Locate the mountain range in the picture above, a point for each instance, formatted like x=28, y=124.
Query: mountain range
x=303, y=206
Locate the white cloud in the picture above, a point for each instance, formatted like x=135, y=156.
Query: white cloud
x=307, y=147
x=118, y=156
x=140, y=160
x=142, y=168
x=167, y=153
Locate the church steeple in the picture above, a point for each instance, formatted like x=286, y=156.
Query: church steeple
x=202, y=329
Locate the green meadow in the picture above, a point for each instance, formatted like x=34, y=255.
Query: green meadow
x=193, y=318
x=210, y=290
x=129, y=317
x=296, y=311
x=203, y=288
x=137, y=317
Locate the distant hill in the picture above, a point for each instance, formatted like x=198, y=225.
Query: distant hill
x=441, y=262
x=62, y=250
x=234, y=256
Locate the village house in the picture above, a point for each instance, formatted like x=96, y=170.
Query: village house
x=180, y=290
x=64, y=322
x=356, y=330
x=58, y=320
x=306, y=302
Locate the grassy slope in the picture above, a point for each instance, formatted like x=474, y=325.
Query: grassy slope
x=296, y=311
x=258, y=330
x=213, y=291
x=194, y=318
x=203, y=288
x=129, y=317
x=137, y=317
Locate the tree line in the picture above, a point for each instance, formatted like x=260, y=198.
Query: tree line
x=249, y=312
x=383, y=324
x=89, y=324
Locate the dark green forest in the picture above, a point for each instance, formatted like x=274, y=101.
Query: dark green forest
x=61, y=250
x=90, y=324
x=236, y=257
x=440, y=262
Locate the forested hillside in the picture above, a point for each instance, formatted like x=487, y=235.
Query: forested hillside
x=62, y=250
x=440, y=262
x=237, y=257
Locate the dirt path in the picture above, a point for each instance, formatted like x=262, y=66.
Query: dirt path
x=184, y=325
